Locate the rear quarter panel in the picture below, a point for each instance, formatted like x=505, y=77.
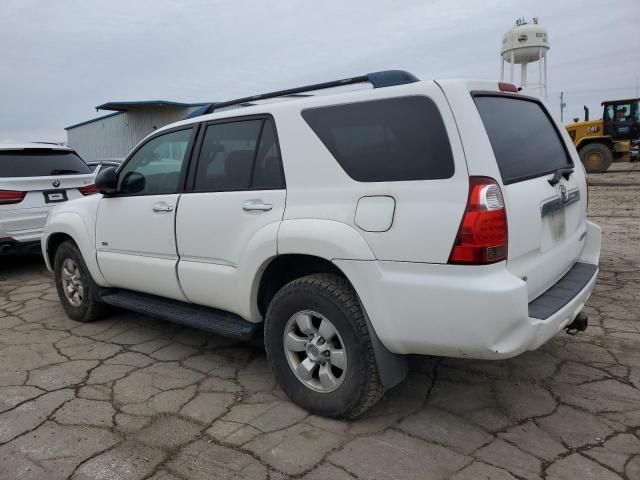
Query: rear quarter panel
x=427, y=212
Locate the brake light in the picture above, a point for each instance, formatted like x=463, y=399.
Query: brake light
x=482, y=237
x=88, y=189
x=7, y=197
x=507, y=87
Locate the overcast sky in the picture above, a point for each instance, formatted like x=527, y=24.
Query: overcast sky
x=58, y=60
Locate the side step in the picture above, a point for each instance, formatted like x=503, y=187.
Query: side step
x=203, y=318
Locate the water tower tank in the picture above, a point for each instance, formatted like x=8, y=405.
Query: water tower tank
x=526, y=43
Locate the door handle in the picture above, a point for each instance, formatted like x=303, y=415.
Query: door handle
x=256, y=205
x=162, y=207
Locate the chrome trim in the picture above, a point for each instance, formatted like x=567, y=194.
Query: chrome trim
x=559, y=203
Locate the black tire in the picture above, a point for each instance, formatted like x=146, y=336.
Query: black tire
x=596, y=157
x=90, y=308
x=332, y=297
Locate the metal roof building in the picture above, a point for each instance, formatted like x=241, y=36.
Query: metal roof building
x=114, y=135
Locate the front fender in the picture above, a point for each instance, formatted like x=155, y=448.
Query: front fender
x=72, y=224
x=327, y=239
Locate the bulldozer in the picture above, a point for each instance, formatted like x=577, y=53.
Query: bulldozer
x=614, y=138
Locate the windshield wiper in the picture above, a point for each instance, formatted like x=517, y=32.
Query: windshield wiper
x=63, y=172
x=561, y=172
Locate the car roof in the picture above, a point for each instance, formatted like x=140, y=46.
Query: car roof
x=273, y=105
x=32, y=145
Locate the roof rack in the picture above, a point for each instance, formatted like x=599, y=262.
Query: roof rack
x=385, y=78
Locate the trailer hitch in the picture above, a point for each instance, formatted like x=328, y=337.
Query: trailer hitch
x=579, y=324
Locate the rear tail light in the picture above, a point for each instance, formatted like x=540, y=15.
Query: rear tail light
x=7, y=197
x=88, y=189
x=482, y=238
x=507, y=87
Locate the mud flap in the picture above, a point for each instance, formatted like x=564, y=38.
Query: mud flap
x=392, y=367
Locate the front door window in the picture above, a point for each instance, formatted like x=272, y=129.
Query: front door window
x=155, y=167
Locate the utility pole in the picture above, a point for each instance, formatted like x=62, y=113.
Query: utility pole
x=562, y=105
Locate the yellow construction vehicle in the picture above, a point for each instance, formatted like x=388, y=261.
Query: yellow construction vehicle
x=614, y=138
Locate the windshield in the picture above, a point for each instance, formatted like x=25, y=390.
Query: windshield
x=40, y=163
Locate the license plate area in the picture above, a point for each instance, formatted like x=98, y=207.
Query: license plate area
x=558, y=225
x=55, y=196
x=554, y=218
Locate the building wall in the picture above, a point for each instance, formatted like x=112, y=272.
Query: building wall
x=115, y=136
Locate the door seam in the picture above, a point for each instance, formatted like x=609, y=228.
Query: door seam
x=175, y=237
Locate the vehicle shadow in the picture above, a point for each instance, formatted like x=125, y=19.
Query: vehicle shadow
x=17, y=265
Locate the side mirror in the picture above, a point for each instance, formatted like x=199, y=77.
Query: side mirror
x=107, y=181
x=133, y=182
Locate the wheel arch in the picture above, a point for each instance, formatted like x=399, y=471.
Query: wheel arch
x=70, y=226
x=285, y=268
x=54, y=241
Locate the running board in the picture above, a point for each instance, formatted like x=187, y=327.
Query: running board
x=208, y=319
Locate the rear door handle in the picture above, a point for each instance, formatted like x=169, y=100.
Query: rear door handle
x=256, y=205
x=162, y=207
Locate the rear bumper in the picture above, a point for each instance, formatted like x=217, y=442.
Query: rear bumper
x=22, y=226
x=13, y=247
x=460, y=311
x=24, y=242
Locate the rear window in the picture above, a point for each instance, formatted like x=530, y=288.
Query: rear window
x=394, y=139
x=525, y=142
x=40, y=163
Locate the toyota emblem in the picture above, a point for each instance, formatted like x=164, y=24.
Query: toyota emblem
x=563, y=192
x=56, y=183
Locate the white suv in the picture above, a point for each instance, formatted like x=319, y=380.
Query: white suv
x=415, y=217
x=33, y=178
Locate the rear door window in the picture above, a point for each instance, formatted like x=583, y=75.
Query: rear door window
x=239, y=155
x=267, y=171
x=40, y=163
x=525, y=142
x=395, y=139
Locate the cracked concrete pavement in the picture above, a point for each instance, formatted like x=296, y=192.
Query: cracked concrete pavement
x=132, y=397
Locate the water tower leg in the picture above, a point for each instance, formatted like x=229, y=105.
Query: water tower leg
x=501, y=68
x=512, y=66
x=523, y=75
x=542, y=93
x=545, y=76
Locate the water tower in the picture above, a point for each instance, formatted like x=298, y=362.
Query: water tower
x=526, y=43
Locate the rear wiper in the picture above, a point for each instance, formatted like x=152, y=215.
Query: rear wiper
x=561, y=172
x=63, y=172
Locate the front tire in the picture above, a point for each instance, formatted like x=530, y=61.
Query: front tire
x=319, y=348
x=596, y=157
x=76, y=289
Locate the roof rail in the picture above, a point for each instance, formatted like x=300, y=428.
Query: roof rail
x=385, y=78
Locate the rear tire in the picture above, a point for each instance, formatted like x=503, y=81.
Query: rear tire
x=325, y=329
x=596, y=157
x=76, y=289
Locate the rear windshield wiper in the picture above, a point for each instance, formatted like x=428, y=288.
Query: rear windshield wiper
x=559, y=173
x=63, y=172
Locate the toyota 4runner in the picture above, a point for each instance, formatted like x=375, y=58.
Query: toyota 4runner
x=349, y=229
